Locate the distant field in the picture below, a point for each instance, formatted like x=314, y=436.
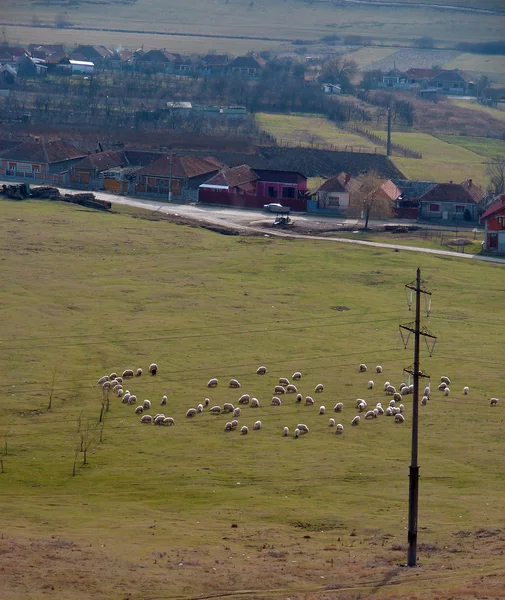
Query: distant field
x=309, y=131
x=365, y=56
x=497, y=113
x=408, y=58
x=478, y=62
x=484, y=146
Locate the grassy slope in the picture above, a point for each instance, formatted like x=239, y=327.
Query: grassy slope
x=89, y=293
x=497, y=113
x=484, y=146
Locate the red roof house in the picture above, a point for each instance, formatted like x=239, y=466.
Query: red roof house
x=449, y=202
x=494, y=226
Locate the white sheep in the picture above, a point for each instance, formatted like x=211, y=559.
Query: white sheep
x=447, y=391
x=427, y=391
x=390, y=389
x=228, y=407
x=296, y=376
x=356, y=420
x=303, y=428
x=159, y=415
x=212, y=383
x=117, y=387
x=397, y=397
x=279, y=389
x=370, y=414
x=191, y=412
x=126, y=397
x=361, y=406
x=102, y=380
x=119, y=379
x=106, y=385
x=138, y=373
x=362, y=402
x=236, y=412
x=322, y=410
x=139, y=410
x=276, y=401
x=168, y=421
x=158, y=420
x=362, y=368
x=153, y=368
x=146, y=419
x=119, y=392
x=392, y=402
x=319, y=388
x=386, y=385
x=283, y=381
x=244, y=430
x=332, y=422
x=370, y=385
x=206, y=401
x=401, y=407
x=215, y=410
x=132, y=399
x=261, y=370
x=442, y=386
x=297, y=433
x=113, y=376
x=244, y=399
x=399, y=418
x=234, y=383
x=257, y=425
x=227, y=427
x=378, y=369
x=424, y=400
x=285, y=431
x=299, y=398
x=340, y=428
x=389, y=411
x=127, y=374
x=466, y=389
x=309, y=401
x=147, y=404
x=411, y=388
x=234, y=424
x=395, y=410
x=338, y=407
x=380, y=410
x=291, y=389
x=494, y=401
x=164, y=400
x=255, y=403
x=445, y=379
x=199, y=409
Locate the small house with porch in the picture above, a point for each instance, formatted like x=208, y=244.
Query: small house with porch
x=332, y=196
x=448, y=202
x=494, y=226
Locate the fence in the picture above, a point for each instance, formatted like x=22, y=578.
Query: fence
x=373, y=137
x=330, y=147
x=35, y=177
x=222, y=198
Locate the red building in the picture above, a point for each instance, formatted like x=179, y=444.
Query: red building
x=494, y=222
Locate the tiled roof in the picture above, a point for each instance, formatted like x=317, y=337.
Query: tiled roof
x=8, y=144
x=183, y=167
x=473, y=189
x=247, y=62
x=102, y=160
x=448, y=192
x=43, y=152
x=275, y=176
x=390, y=189
x=234, y=176
x=448, y=77
x=158, y=56
x=494, y=208
x=332, y=185
x=422, y=73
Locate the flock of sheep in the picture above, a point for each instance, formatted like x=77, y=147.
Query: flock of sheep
x=115, y=384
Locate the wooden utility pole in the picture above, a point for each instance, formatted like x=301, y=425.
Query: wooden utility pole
x=388, y=147
x=417, y=373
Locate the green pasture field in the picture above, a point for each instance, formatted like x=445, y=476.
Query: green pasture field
x=487, y=147
x=309, y=130
x=497, y=113
x=271, y=19
x=191, y=510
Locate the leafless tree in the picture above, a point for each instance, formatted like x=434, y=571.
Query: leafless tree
x=495, y=170
x=370, y=197
x=51, y=389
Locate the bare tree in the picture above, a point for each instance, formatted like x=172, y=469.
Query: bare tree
x=495, y=170
x=370, y=197
x=51, y=389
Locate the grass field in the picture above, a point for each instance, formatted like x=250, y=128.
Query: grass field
x=480, y=64
x=497, y=113
x=191, y=510
x=309, y=131
x=484, y=146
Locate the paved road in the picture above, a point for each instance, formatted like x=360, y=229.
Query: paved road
x=253, y=221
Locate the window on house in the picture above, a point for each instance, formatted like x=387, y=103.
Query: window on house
x=288, y=192
x=13, y=165
x=434, y=208
x=459, y=209
x=272, y=191
x=36, y=168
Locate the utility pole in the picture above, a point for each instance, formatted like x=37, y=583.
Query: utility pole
x=171, y=158
x=388, y=147
x=417, y=373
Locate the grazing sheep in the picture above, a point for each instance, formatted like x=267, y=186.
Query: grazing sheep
x=296, y=376
x=119, y=392
x=297, y=433
x=279, y=389
x=332, y=422
x=362, y=368
x=340, y=428
x=392, y=402
x=227, y=427
x=127, y=374
x=401, y=407
x=403, y=385
x=361, y=406
x=199, y=409
x=494, y=401
x=147, y=404
x=139, y=410
x=132, y=399
x=285, y=431
x=397, y=397
x=283, y=381
x=303, y=428
x=445, y=379
x=411, y=388
x=261, y=370
x=338, y=407
x=390, y=389
x=380, y=410
x=234, y=423
x=399, y=418
x=386, y=385
x=255, y=403
x=125, y=397
x=244, y=430
x=106, y=385
x=276, y=401
x=236, y=412
x=146, y=419
x=117, y=387
x=206, y=402
x=228, y=407
x=291, y=389
x=427, y=391
x=138, y=373
x=158, y=420
x=370, y=414
x=378, y=369
x=322, y=410
x=153, y=368
x=113, y=376
x=356, y=420
x=212, y=383
x=119, y=379
x=215, y=410
x=395, y=410
x=319, y=388
x=102, y=380
x=244, y=399
x=361, y=401
x=309, y=401
x=442, y=386
x=404, y=390
x=159, y=415
x=164, y=401
x=447, y=391
x=370, y=385
x=234, y=383
x=389, y=411
x=257, y=425
x=299, y=398
x=424, y=400
x=191, y=412
x=466, y=389
x=168, y=421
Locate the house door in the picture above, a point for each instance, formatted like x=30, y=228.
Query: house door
x=492, y=241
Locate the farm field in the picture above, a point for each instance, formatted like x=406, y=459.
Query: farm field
x=192, y=510
x=484, y=146
x=364, y=56
x=480, y=64
x=309, y=131
x=408, y=58
x=497, y=113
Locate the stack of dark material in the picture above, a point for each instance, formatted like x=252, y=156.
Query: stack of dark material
x=87, y=199
x=16, y=191
x=51, y=193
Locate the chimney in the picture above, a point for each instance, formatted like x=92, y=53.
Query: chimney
x=451, y=181
x=470, y=183
x=347, y=178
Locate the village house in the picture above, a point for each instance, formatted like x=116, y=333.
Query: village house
x=449, y=202
x=28, y=66
x=332, y=196
x=247, y=66
x=449, y=82
x=155, y=61
x=394, y=78
x=97, y=55
x=494, y=226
